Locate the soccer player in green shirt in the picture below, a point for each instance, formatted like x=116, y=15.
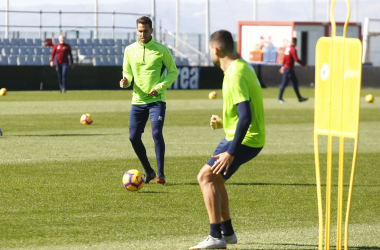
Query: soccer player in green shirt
x=144, y=64
x=244, y=125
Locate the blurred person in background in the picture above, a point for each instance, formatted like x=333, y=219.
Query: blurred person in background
x=287, y=69
x=63, y=51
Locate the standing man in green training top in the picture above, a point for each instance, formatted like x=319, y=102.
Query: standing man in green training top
x=144, y=64
x=244, y=125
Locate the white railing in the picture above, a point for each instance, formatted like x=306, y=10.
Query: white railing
x=177, y=53
x=61, y=26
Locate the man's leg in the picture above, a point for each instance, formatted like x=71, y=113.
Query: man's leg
x=285, y=79
x=228, y=232
x=224, y=205
x=209, y=183
x=137, y=121
x=216, y=200
x=157, y=118
x=293, y=78
x=65, y=68
x=212, y=196
x=59, y=73
x=213, y=189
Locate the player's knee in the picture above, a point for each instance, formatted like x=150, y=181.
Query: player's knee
x=200, y=178
x=203, y=177
x=133, y=139
x=134, y=135
x=157, y=132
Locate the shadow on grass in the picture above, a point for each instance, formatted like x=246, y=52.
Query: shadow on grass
x=298, y=246
x=271, y=184
x=264, y=184
x=276, y=246
x=289, y=184
x=153, y=192
x=245, y=184
x=183, y=184
x=362, y=248
x=53, y=135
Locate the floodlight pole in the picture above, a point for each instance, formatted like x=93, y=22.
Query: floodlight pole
x=154, y=16
x=328, y=10
x=113, y=24
x=40, y=24
x=161, y=41
x=355, y=10
x=177, y=29
x=59, y=23
x=365, y=58
x=207, y=30
x=313, y=10
x=254, y=10
x=96, y=19
x=7, y=21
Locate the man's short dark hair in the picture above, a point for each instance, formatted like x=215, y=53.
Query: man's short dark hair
x=224, y=40
x=294, y=40
x=144, y=20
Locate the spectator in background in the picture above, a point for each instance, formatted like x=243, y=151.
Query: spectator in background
x=290, y=55
x=63, y=52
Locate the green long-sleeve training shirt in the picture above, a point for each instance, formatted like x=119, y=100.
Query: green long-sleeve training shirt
x=145, y=64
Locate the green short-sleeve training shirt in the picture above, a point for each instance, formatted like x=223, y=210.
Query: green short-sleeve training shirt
x=240, y=84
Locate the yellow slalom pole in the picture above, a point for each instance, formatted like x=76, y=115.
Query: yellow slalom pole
x=341, y=151
x=333, y=26
x=319, y=190
x=340, y=194
x=341, y=160
x=328, y=192
x=353, y=167
x=347, y=18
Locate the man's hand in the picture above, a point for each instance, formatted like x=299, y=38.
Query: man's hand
x=307, y=67
x=51, y=64
x=72, y=66
x=224, y=161
x=124, y=83
x=216, y=122
x=153, y=92
x=281, y=70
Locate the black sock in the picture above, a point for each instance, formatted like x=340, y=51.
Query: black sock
x=215, y=230
x=227, y=228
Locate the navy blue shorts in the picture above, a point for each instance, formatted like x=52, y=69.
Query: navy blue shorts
x=243, y=155
x=139, y=114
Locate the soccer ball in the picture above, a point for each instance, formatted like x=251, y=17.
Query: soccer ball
x=86, y=119
x=369, y=98
x=133, y=180
x=212, y=95
x=3, y=91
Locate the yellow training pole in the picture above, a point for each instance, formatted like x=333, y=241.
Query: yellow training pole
x=328, y=192
x=319, y=191
x=350, y=194
x=340, y=195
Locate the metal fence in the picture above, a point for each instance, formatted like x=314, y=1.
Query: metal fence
x=191, y=48
x=68, y=26
x=49, y=24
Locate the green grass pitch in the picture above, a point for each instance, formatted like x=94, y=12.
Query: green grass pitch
x=61, y=182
